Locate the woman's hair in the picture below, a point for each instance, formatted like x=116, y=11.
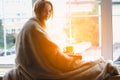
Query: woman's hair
x=39, y=6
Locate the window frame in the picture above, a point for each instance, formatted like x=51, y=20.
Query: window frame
x=106, y=30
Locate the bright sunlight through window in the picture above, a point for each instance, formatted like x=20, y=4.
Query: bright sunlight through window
x=75, y=23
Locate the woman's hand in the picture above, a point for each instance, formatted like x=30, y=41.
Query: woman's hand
x=76, y=57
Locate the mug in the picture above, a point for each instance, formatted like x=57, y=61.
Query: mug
x=69, y=49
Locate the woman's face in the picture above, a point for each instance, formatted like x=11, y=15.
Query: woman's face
x=46, y=13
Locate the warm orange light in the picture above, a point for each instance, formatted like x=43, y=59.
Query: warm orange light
x=72, y=27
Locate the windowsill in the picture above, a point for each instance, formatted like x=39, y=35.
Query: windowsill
x=6, y=64
x=5, y=68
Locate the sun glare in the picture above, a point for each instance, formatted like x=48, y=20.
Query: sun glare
x=71, y=25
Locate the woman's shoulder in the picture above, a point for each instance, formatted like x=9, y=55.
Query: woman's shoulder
x=30, y=24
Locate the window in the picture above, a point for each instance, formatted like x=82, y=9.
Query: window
x=77, y=23
x=13, y=15
x=84, y=24
x=116, y=28
x=110, y=29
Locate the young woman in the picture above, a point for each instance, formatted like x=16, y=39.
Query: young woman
x=38, y=58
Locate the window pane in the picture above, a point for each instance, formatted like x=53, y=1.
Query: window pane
x=12, y=17
x=77, y=23
x=116, y=28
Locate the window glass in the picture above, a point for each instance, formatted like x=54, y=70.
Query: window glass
x=116, y=29
x=75, y=23
x=13, y=14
